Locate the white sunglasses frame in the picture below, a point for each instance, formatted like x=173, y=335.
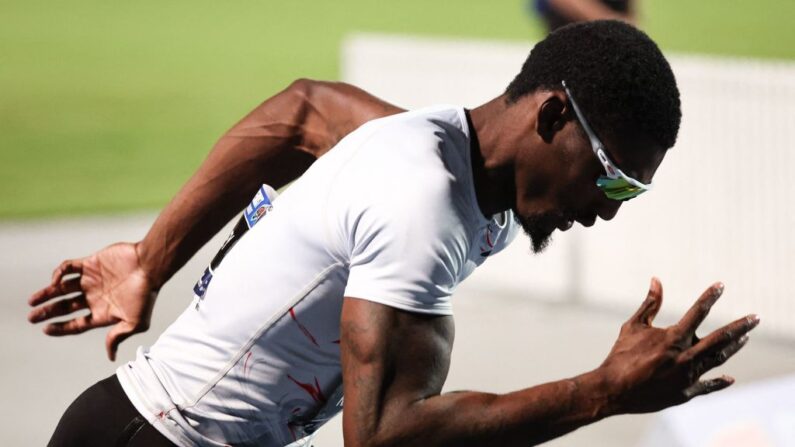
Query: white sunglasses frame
x=611, y=170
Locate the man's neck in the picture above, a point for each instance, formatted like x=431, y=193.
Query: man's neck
x=492, y=163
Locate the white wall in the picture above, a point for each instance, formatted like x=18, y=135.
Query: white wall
x=721, y=209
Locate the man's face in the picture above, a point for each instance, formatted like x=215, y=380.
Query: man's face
x=559, y=188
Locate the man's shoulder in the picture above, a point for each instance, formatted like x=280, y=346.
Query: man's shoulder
x=418, y=140
x=434, y=121
x=429, y=124
x=412, y=163
x=426, y=152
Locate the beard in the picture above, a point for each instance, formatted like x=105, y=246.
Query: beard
x=538, y=229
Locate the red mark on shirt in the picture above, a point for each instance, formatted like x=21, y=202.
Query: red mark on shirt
x=488, y=238
x=313, y=390
x=245, y=363
x=303, y=328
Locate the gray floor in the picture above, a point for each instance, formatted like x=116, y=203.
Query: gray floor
x=503, y=342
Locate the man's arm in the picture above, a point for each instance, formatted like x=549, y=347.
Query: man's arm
x=273, y=144
x=587, y=10
x=395, y=363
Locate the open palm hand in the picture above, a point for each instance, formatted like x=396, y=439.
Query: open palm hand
x=110, y=284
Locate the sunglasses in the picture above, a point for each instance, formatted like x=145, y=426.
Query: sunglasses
x=615, y=184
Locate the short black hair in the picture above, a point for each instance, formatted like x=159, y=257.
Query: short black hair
x=617, y=74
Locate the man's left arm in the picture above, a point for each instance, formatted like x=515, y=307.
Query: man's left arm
x=395, y=362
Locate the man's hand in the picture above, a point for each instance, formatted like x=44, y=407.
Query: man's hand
x=653, y=368
x=113, y=287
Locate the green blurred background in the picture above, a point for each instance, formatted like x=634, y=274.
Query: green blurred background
x=109, y=106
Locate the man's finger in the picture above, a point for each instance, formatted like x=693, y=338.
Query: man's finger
x=71, y=327
x=723, y=337
x=67, y=267
x=57, y=309
x=648, y=310
x=55, y=290
x=714, y=358
x=708, y=386
x=117, y=334
x=700, y=309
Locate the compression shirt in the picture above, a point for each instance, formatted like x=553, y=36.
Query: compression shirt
x=388, y=215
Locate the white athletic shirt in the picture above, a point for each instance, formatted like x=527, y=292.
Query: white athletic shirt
x=388, y=215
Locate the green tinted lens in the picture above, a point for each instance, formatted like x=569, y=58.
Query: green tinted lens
x=618, y=188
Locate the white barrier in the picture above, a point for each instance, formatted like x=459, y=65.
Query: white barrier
x=721, y=209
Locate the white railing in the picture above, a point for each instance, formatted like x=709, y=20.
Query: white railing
x=723, y=207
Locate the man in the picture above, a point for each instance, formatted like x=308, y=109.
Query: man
x=557, y=13
x=344, y=286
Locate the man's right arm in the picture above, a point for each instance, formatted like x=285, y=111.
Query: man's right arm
x=273, y=144
x=395, y=363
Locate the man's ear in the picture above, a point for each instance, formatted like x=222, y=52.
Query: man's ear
x=553, y=113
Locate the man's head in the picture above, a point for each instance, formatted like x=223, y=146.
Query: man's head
x=627, y=94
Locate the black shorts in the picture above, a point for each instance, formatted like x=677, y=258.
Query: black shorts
x=103, y=416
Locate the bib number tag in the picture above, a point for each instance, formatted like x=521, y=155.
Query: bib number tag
x=260, y=205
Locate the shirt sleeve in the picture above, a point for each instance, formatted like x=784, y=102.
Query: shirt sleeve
x=407, y=248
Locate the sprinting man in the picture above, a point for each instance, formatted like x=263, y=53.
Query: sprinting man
x=342, y=285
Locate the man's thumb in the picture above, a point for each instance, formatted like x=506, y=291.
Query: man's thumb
x=117, y=334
